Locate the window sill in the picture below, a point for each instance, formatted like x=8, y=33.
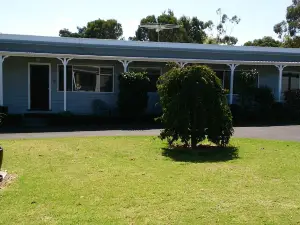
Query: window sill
x=39, y=110
x=89, y=92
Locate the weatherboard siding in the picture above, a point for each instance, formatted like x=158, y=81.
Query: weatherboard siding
x=16, y=84
x=15, y=88
x=15, y=70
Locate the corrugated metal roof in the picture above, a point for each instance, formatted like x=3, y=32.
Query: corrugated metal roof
x=81, y=48
x=13, y=38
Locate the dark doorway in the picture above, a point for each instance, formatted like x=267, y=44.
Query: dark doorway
x=39, y=87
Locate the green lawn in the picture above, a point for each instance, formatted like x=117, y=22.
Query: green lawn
x=131, y=180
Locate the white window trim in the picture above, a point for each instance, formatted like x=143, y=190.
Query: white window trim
x=90, y=92
x=29, y=84
x=113, y=75
x=292, y=72
x=237, y=70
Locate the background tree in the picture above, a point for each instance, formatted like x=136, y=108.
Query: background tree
x=191, y=30
x=224, y=29
x=194, y=107
x=264, y=42
x=289, y=29
x=101, y=29
x=291, y=42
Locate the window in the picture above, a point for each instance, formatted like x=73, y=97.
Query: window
x=106, y=79
x=152, y=73
x=224, y=76
x=236, y=83
x=290, y=81
x=86, y=78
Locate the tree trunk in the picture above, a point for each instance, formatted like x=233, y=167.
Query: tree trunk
x=193, y=141
x=193, y=130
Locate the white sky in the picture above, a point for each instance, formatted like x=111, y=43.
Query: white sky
x=41, y=17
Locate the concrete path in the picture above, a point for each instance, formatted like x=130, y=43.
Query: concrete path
x=276, y=133
x=153, y=132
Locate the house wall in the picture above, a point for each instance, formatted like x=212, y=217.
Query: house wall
x=81, y=102
x=15, y=70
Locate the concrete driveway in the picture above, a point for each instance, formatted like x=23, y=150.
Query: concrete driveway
x=291, y=133
x=273, y=133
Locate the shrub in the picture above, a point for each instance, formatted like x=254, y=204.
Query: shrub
x=2, y=117
x=279, y=112
x=133, y=94
x=246, y=86
x=246, y=80
x=194, y=107
x=4, y=109
x=226, y=91
x=256, y=108
x=292, y=99
x=100, y=108
x=264, y=97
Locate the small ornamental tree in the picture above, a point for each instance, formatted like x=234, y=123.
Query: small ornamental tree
x=133, y=94
x=194, y=107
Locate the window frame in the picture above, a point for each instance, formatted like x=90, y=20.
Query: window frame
x=237, y=70
x=296, y=74
x=147, y=67
x=89, y=65
x=113, y=78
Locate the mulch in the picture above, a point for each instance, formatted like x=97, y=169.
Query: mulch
x=7, y=180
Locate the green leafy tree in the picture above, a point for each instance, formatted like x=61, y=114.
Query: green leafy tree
x=291, y=42
x=291, y=24
x=264, y=42
x=194, y=107
x=224, y=30
x=101, y=29
x=191, y=30
x=289, y=29
x=133, y=94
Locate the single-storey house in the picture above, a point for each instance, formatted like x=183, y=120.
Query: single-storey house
x=56, y=74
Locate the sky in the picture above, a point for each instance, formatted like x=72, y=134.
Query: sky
x=47, y=17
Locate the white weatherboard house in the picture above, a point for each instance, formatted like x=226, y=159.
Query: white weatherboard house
x=55, y=74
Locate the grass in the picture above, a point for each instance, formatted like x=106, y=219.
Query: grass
x=134, y=180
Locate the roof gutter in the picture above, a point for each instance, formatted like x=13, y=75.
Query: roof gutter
x=146, y=59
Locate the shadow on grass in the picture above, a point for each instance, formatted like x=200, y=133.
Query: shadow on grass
x=203, y=153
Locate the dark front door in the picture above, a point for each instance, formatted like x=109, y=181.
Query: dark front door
x=39, y=87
